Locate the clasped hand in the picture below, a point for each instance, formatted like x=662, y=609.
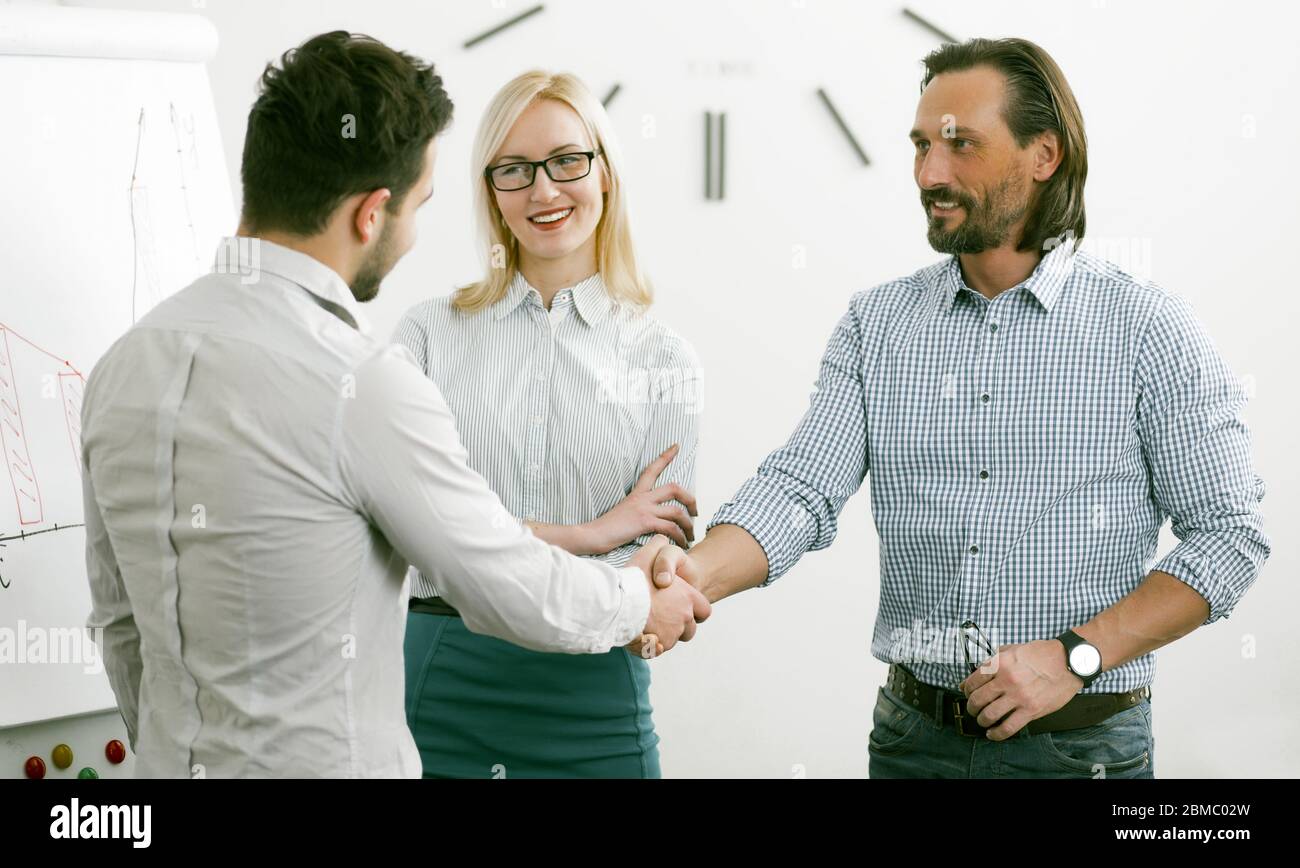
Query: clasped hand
x=676, y=608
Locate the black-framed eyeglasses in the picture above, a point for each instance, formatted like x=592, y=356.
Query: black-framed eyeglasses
x=971, y=633
x=573, y=166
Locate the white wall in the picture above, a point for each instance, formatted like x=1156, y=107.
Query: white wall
x=1191, y=115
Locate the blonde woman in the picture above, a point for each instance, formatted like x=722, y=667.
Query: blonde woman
x=580, y=410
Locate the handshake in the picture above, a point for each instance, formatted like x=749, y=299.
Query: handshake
x=676, y=607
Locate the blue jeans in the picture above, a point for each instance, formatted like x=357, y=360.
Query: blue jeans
x=906, y=742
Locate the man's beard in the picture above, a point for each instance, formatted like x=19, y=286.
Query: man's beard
x=986, y=223
x=365, y=285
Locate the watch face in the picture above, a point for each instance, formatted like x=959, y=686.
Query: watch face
x=1085, y=659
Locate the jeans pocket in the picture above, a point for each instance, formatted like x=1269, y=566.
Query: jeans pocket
x=894, y=726
x=1118, y=746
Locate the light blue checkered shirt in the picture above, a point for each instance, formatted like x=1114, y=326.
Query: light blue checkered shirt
x=1024, y=453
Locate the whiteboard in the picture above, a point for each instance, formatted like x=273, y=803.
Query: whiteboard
x=116, y=196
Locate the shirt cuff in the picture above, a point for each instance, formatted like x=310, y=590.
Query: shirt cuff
x=783, y=528
x=635, y=611
x=1195, y=571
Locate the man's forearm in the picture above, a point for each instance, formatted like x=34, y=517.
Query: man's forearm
x=729, y=561
x=1157, y=612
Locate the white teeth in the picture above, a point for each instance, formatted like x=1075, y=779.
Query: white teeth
x=946, y=205
x=551, y=218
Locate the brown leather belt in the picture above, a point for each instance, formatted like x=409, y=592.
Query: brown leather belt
x=432, y=606
x=1085, y=709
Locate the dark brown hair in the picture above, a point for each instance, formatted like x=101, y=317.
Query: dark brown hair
x=1038, y=99
x=343, y=114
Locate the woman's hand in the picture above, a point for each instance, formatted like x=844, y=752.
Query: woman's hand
x=646, y=510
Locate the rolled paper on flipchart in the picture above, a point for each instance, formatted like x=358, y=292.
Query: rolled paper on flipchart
x=69, y=31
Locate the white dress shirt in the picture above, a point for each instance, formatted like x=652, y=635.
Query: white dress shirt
x=561, y=410
x=259, y=471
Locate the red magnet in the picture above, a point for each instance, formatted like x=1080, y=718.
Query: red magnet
x=34, y=768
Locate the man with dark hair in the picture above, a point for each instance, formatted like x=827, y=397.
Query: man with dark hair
x=1030, y=415
x=1036, y=101
x=259, y=470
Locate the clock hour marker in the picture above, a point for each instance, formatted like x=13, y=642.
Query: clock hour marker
x=844, y=128
x=715, y=189
x=527, y=13
x=943, y=35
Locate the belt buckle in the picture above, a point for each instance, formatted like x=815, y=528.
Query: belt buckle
x=959, y=717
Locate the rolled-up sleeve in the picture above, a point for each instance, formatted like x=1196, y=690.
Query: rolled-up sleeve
x=791, y=505
x=1198, y=452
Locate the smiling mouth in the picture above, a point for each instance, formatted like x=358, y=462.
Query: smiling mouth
x=550, y=217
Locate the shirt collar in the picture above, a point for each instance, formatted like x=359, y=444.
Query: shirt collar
x=1045, y=284
x=250, y=255
x=590, y=297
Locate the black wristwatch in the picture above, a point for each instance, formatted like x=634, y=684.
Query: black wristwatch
x=1081, y=656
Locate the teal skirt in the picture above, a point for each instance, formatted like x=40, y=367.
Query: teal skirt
x=480, y=707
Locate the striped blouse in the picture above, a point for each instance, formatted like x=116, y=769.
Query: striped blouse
x=560, y=410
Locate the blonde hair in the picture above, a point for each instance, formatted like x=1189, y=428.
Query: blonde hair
x=615, y=256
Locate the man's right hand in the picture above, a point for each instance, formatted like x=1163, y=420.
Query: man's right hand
x=672, y=563
x=726, y=561
x=675, y=607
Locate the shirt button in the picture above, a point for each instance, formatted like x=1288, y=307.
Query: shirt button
x=974, y=550
x=993, y=326
x=984, y=474
x=985, y=398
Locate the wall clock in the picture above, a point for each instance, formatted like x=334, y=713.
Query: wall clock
x=715, y=123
